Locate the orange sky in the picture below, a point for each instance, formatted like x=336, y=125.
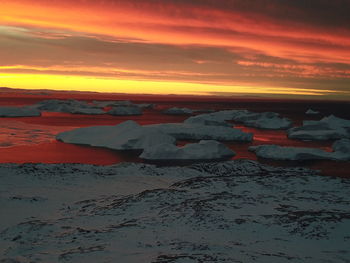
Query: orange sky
x=220, y=47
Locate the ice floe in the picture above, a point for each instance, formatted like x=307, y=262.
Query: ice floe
x=178, y=111
x=204, y=150
x=312, y=112
x=341, y=151
x=125, y=136
x=25, y=111
x=234, y=211
x=264, y=120
x=125, y=111
x=328, y=128
x=158, y=138
x=185, y=131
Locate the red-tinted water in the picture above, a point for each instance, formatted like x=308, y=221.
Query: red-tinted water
x=51, y=151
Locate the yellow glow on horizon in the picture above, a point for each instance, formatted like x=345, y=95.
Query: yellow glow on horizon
x=83, y=83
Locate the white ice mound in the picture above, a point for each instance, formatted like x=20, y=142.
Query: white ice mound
x=334, y=121
x=328, y=128
x=19, y=112
x=68, y=106
x=125, y=111
x=264, y=120
x=184, y=131
x=277, y=152
x=178, y=111
x=341, y=151
x=204, y=150
x=125, y=136
x=312, y=112
x=219, y=118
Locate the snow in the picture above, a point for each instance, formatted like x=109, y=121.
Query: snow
x=215, y=119
x=312, y=112
x=184, y=131
x=125, y=136
x=68, y=106
x=125, y=111
x=19, y=112
x=88, y=111
x=264, y=120
x=154, y=139
x=178, y=111
x=277, y=152
x=341, y=152
x=204, y=150
x=341, y=149
x=234, y=211
x=334, y=121
x=328, y=128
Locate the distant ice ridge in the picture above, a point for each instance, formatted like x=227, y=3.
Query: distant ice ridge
x=97, y=107
x=341, y=152
x=123, y=103
x=264, y=120
x=328, y=128
x=234, y=211
x=26, y=111
x=68, y=106
x=131, y=136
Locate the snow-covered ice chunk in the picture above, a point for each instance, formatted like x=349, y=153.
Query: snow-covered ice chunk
x=204, y=150
x=328, y=128
x=312, y=112
x=214, y=119
x=277, y=152
x=88, y=111
x=341, y=151
x=125, y=136
x=264, y=120
x=334, y=121
x=178, y=111
x=125, y=111
x=19, y=112
x=184, y=131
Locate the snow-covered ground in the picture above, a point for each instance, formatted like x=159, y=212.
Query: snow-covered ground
x=234, y=211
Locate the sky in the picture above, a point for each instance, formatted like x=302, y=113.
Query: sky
x=269, y=48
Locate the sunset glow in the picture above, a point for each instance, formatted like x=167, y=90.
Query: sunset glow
x=178, y=47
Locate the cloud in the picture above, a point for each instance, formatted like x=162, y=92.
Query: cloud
x=295, y=44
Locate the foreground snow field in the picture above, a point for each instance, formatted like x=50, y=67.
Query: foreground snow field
x=234, y=211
